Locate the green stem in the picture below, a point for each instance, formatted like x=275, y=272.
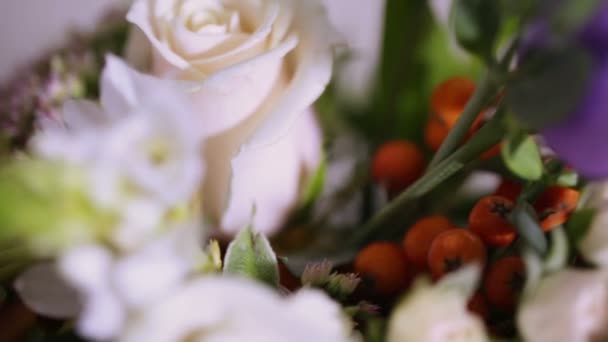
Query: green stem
x=488, y=136
x=487, y=88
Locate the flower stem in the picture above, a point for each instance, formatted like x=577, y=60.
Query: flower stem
x=488, y=136
x=487, y=89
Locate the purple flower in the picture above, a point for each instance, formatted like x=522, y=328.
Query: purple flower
x=581, y=139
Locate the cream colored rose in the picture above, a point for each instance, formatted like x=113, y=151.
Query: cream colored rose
x=594, y=245
x=253, y=68
x=568, y=306
x=438, y=313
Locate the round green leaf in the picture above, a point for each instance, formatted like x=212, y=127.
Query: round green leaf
x=522, y=156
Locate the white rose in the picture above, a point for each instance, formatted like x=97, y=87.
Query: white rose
x=594, y=245
x=438, y=313
x=253, y=69
x=568, y=306
x=228, y=309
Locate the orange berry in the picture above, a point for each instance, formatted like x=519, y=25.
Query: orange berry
x=488, y=220
x=397, y=164
x=555, y=205
x=451, y=96
x=504, y=282
x=435, y=133
x=508, y=189
x=454, y=248
x=384, y=263
x=478, y=305
x=418, y=239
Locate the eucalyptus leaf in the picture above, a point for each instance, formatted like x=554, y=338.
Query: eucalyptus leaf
x=579, y=224
x=549, y=87
x=522, y=156
x=476, y=24
x=314, y=187
x=525, y=221
x=557, y=258
x=250, y=255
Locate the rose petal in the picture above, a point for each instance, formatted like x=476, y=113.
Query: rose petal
x=251, y=82
x=140, y=14
x=44, y=291
x=257, y=170
x=313, y=58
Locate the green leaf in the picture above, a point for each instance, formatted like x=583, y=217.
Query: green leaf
x=476, y=24
x=522, y=156
x=557, y=258
x=525, y=221
x=314, y=187
x=579, y=224
x=549, y=86
x=568, y=179
x=250, y=255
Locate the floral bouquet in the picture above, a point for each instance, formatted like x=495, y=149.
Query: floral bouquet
x=300, y=170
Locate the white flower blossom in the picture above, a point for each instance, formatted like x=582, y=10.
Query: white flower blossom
x=438, y=313
x=229, y=309
x=567, y=306
x=139, y=147
x=253, y=69
x=108, y=287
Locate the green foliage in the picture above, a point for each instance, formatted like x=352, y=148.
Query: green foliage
x=526, y=222
x=45, y=206
x=579, y=224
x=522, y=156
x=476, y=24
x=250, y=255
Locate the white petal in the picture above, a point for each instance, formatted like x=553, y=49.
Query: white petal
x=313, y=59
x=251, y=82
x=140, y=14
x=140, y=221
x=118, y=89
x=103, y=317
x=83, y=114
x=268, y=179
x=44, y=291
x=147, y=275
x=87, y=268
x=572, y=302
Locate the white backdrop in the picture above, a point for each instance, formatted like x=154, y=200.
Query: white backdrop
x=28, y=27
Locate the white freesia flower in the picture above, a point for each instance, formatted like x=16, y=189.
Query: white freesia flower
x=140, y=149
x=109, y=287
x=568, y=306
x=253, y=69
x=438, y=313
x=144, y=129
x=228, y=309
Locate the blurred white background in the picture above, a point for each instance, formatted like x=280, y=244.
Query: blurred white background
x=29, y=27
